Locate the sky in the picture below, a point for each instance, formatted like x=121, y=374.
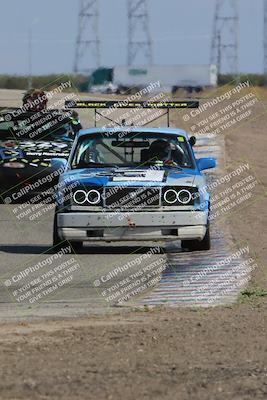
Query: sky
x=181, y=33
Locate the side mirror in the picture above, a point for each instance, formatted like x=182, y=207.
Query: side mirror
x=59, y=163
x=206, y=163
x=192, y=140
x=71, y=135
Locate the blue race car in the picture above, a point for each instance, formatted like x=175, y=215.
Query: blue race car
x=131, y=183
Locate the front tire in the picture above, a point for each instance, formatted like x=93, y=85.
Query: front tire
x=76, y=247
x=198, y=245
x=56, y=238
x=58, y=243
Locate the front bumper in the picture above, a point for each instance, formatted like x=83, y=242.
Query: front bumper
x=112, y=226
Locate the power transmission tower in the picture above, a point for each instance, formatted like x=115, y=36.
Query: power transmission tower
x=87, y=52
x=225, y=44
x=139, y=39
x=265, y=39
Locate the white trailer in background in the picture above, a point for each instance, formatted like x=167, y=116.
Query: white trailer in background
x=190, y=77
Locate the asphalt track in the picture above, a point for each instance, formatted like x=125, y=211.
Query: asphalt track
x=100, y=279
x=26, y=244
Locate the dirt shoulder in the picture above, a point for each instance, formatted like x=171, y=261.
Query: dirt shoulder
x=167, y=354
x=248, y=145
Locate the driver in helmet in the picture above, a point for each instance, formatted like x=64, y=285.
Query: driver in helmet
x=162, y=150
x=35, y=100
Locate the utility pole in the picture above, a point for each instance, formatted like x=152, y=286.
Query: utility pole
x=87, y=52
x=30, y=58
x=265, y=39
x=139, y=39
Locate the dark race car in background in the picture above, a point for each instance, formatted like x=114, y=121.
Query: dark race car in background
x=28, y=142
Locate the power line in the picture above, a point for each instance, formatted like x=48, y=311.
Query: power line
x=265, y=39
x=139, y=39
x=225, y=43
x=87, y=51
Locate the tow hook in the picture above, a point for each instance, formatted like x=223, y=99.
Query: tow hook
x=131, y=224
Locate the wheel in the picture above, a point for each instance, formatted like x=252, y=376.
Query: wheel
x=56, y=238
x=198, y=245
x=58, y=243
x=76, y=247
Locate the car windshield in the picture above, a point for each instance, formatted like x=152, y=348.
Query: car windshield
x=132, y=149
x=38, y=130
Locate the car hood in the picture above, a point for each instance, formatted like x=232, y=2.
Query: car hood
x=131, y=176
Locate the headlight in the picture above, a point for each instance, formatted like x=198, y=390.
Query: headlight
x=91, y=197
x=179, y=195
x=170, y=196
x=80, y=196
x=184, y=196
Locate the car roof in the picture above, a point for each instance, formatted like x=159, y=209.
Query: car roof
x=168, y=131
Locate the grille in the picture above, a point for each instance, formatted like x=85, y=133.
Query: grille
x=130, y=198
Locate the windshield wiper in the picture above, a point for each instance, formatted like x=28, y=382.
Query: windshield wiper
x=163, y=165
x=172, y=166
x=94, y=164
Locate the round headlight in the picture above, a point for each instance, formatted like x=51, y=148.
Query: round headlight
x=184, y=196
x=80, y=196
x=93, y=197
x=170, y=196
